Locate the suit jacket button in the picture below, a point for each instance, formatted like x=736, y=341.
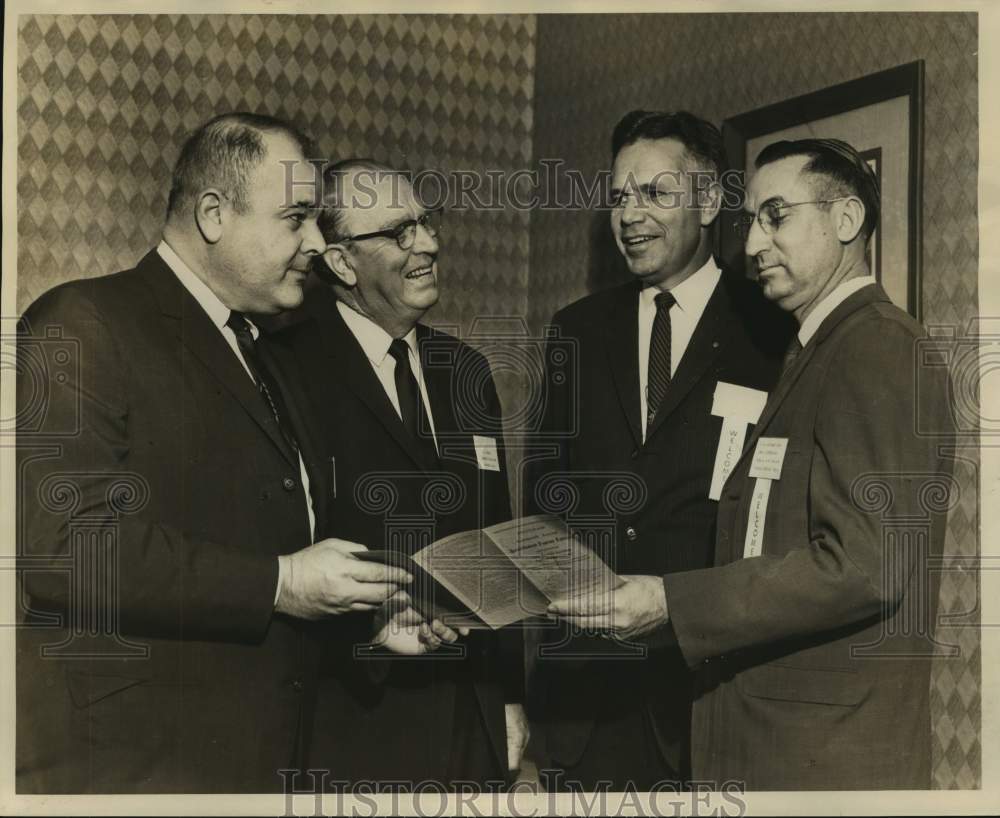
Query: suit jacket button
x=297, y=685
x=631, y=533
x=288, y=483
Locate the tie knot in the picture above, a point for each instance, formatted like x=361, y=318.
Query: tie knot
x=664, y=301
x=238, y=324
x=399, y=350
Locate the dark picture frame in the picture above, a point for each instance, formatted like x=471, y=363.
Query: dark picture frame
x=904, y=82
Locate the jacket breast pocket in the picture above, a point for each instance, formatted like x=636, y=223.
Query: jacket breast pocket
x=779, y=682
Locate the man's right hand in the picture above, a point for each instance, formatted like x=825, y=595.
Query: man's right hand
x=326, y=579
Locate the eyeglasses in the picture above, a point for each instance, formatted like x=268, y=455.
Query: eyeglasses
x=405, y=233
x=770, y=216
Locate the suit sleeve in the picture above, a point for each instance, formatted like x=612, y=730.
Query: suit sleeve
x=842, y=575
x=73, y=457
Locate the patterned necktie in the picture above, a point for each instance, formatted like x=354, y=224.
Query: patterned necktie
x=266, y=384
x=658, y=376
x=410, y=403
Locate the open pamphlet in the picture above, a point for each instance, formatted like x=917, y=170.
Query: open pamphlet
x=500, y=575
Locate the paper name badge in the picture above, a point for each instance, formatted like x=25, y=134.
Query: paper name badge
x=753, y=544
x=738, y=406
x=768, y=458
x=738, y=402
x=486, y=453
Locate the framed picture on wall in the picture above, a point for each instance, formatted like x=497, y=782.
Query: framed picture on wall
x=881, y=115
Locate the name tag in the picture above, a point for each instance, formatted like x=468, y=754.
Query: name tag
x=768, y=458
x=753, y=545
x=738, y=406
x=732, y=401
x=486, y=453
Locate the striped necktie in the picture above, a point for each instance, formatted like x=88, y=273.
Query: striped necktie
x=658, y=377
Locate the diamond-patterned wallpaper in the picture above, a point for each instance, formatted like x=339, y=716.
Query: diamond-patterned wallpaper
x=104, y=103
x=594, y=68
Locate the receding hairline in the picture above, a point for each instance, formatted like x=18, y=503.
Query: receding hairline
x=340, y=184
x=816, y=179
x=689, y=156
x=336, y=174
x=193, y=173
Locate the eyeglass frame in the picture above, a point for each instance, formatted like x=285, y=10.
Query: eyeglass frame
x=744, y=221
x=396, y=233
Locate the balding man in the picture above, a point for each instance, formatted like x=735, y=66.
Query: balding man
x=404, y=409
x=175, y=656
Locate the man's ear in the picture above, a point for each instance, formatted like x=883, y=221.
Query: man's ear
x=850, y=219
x=709, y=201
x=208, y=214
x=338, y=260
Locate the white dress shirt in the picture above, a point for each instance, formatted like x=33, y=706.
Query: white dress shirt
x=692, y=296
x=375, y=343
x=829, y=304
x=218, y=314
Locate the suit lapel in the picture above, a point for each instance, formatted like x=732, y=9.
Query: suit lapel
x=352, y=365
x=192, y=326
x=622, y=344
x=438, y=382
x=853, y=303
x=706, y=344
x=284, y=373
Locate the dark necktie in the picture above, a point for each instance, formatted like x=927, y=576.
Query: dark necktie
x=266, y=384
x=410, y=403
x=658, y=374
x=794, y=348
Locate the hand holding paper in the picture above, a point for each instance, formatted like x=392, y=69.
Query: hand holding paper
x=329, y=578
x=633, y=609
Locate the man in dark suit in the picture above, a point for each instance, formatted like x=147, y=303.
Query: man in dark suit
x=414, y=441
x=168, y=491
x=813, y=632
x=663, y=378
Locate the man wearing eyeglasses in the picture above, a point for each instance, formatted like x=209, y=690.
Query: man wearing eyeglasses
x=668, y=368
x=414, y=442
x=813, y=632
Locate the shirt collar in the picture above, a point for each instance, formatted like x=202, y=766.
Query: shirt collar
x=840, y=294
x=693, y=293
x=374, y=340
x=218, y=313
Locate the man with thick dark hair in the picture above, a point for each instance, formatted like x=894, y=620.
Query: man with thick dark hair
x=665, y=376
x=812, y=632
x=169, y=490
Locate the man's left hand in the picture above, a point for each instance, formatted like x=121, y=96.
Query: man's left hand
x=401, y=629
x=634, y=609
